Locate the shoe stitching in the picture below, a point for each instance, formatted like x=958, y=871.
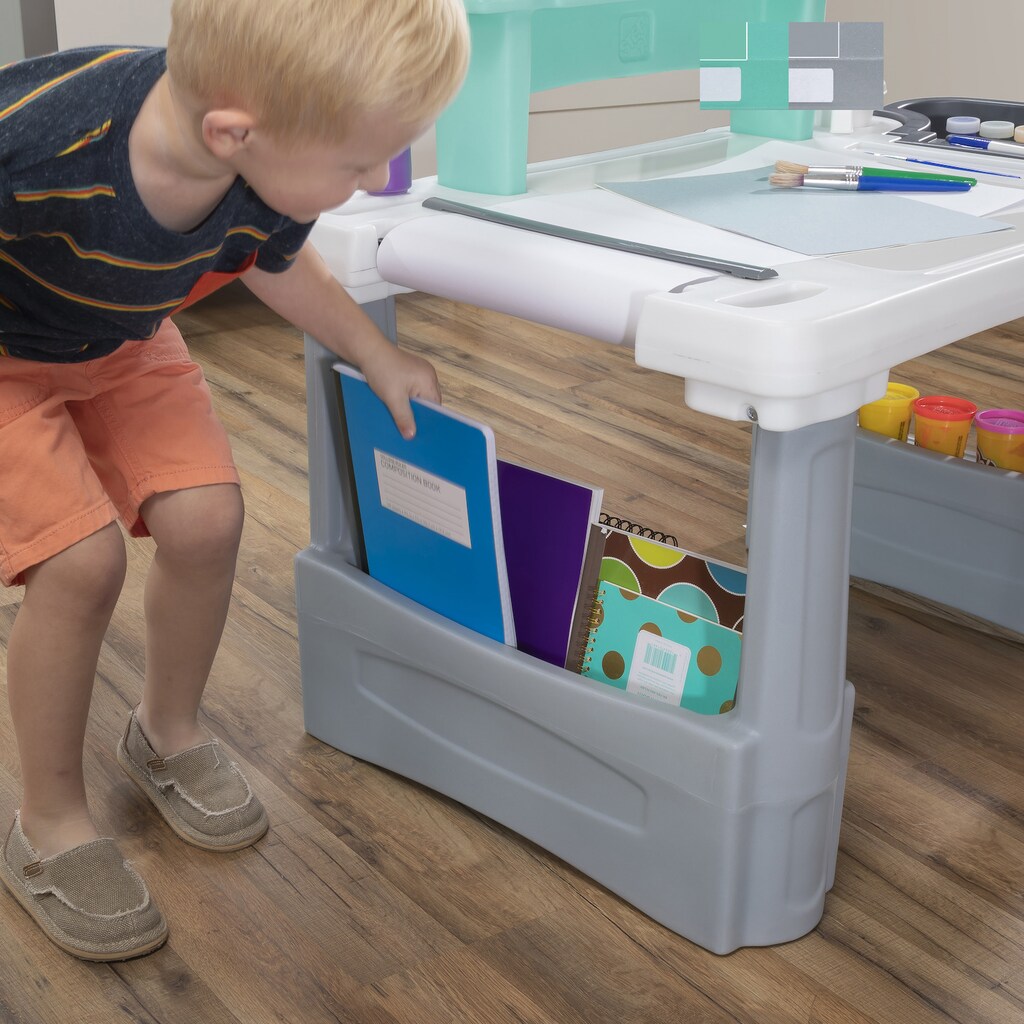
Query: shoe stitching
x=134, y=720
x=53, y=858
x=162, y=784
x=192, y=802
x=64, y=854
x=58, y=893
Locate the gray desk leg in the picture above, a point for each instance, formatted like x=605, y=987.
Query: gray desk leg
x=331, y=512
x=793, y=691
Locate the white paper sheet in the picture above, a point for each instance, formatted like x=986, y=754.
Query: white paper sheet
x=818, y=222
x=986, y=197
x=605, y=213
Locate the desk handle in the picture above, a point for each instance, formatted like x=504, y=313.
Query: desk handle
x=745, y=270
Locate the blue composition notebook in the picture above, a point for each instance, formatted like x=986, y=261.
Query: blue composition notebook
x=429, y=508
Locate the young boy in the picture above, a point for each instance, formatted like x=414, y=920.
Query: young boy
x=131, y=183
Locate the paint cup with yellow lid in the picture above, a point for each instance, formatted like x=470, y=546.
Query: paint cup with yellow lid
x=1001, y=438
x=942, y=423
x=890, y=415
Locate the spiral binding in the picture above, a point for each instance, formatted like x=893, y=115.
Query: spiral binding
x=637, y=530
x=586, y=648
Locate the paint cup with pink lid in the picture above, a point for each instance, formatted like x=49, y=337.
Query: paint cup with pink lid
x=1000, y=437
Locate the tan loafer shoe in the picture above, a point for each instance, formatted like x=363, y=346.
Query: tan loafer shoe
x=202, y=795
x=88, y=900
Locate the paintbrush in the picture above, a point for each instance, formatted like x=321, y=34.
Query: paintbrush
x=853, y=182
x=788, y=167
x=989, y=145
x=935, y=163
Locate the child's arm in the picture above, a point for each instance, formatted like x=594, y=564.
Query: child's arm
x=307, y=295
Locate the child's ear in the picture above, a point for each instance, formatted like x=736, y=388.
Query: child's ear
x=225, y=132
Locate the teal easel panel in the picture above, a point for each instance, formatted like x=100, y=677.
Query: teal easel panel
x=526, y=46
x=765, y=85
x=769, y=40
x=723, y=41
x=763, y=63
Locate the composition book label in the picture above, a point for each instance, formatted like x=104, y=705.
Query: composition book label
x=420, y=496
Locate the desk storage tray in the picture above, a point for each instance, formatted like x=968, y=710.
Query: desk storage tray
x=924, y=120
x=945, y=528
x=655, y=803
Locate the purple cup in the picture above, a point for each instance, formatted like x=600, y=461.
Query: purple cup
x=400, y=176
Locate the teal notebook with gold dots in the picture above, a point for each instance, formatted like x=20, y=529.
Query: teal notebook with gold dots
x=656, y=651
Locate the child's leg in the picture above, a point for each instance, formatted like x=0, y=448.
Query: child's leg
x=188, y=775
x=197, y=531
x=51, y=663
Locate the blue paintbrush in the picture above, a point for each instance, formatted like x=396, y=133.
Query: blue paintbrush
x=948, y=167
x=853, y=181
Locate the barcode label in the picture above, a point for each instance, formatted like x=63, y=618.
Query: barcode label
x=658, y=668
x=663, y=661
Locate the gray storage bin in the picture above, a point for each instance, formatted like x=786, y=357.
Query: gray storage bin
x=945, y=528
x=724, y=828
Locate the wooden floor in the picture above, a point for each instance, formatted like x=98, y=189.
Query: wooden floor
x=374, y=900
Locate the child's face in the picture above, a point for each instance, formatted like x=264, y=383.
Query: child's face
x=303, y=181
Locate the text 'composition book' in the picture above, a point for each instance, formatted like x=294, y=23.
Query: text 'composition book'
x=429, y=508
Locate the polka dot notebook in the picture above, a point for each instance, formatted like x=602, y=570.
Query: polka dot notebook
x=659, y=652
x=692, y=583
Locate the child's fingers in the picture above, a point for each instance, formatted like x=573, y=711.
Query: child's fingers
x=401, y=413
x=435, y=390
x=427, y=386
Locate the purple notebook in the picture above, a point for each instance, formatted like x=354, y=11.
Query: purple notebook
x=545, y=522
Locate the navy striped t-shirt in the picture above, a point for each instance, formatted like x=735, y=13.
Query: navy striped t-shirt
x=83, y=265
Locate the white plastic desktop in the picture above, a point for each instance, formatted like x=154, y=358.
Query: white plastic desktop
x=726, y=828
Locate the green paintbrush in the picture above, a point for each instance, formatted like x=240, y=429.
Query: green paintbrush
x=787, y=167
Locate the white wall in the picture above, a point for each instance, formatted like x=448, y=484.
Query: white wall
x=98, y=22
x=945, y=47
x=11, y=47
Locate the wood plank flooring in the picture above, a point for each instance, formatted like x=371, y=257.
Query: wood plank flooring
x=375, y=901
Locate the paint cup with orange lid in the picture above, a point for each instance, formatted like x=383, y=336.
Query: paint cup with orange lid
x=1001, y=438
x=890, y=415
x=942, y=423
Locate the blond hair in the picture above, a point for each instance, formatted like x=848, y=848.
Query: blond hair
x=307, y=68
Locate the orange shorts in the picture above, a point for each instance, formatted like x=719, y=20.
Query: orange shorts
x=83, y=444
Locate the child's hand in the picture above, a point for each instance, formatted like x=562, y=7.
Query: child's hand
x=397, y=376
x=309, y=296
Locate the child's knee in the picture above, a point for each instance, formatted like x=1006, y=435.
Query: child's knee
x=207, y=530
x=220, y=531
x=88, y=575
